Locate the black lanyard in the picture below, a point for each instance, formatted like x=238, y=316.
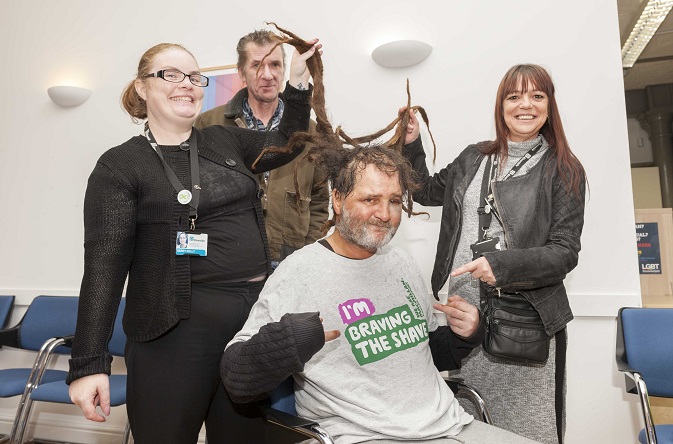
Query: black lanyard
x=486, y=199
x=194, y=169
x=526, y=157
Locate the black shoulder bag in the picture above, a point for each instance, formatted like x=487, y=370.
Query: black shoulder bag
x=514, y=329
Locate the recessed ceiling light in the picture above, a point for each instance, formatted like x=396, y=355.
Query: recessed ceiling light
x=653, y=14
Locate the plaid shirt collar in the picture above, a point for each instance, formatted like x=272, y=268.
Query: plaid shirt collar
x=254, y=123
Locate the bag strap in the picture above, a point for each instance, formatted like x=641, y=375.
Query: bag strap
x=484, y=210
x=485, y=218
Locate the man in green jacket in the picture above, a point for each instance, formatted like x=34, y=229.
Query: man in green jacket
x=259, y=105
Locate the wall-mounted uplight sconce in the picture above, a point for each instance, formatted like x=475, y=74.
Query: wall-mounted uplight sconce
x=401, y=53
x=68, y=95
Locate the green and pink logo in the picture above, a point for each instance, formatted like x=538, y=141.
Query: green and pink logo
x=376, y=337
x=355, y=309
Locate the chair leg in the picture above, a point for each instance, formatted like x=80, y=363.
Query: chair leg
x=25, y=403
x=23, y=423
x=645, y=407
x=127, y=433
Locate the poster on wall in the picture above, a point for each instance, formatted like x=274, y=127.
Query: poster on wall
x=223, y=83
x=649, y=253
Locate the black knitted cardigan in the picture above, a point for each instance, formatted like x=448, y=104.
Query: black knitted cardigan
x=131, y=217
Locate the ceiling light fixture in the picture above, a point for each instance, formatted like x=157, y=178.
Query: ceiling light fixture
x=653, y=14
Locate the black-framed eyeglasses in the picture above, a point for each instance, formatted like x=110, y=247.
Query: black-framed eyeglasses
x=176, y=76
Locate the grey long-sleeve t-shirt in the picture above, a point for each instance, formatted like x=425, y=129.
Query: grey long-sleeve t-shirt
x=378, y=379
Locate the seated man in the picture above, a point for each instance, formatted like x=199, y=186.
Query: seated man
x=351, y=319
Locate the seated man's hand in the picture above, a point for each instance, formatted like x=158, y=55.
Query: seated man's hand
x=462, y=317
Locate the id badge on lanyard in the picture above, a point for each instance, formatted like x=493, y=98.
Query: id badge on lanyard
x=191, y=244
x=187, y=243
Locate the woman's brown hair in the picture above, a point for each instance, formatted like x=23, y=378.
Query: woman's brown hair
x=130, y=100
x=568, y=166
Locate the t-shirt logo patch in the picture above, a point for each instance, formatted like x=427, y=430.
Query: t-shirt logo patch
x=355, y=309
x=376, y=336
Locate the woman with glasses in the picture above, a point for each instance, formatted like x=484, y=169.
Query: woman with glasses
x=183, y=304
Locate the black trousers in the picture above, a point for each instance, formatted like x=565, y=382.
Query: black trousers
x=174, y=383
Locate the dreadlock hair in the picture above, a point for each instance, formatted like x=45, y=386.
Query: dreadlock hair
x=343, y=167
x=327, y=148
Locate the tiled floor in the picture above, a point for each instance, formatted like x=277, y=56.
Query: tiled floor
x=662, y=410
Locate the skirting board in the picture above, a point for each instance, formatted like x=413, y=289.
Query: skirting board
x=71, y=429
x=66, y=428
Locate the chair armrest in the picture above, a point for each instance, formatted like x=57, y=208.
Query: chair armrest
x=454, y=383
x=622, y=360
x=67, y=340
x=285, y=419
x=459, y=388
x=297, y=424
x=620, y=348
x=10, y=337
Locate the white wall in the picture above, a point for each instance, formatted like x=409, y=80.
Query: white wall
x=47, y=152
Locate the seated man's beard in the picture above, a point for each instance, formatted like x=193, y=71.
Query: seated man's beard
x=359, y=233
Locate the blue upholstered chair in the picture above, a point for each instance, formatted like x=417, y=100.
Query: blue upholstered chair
x=57, y=391
x=46, y=318
x=282, y=411
x=645, y=354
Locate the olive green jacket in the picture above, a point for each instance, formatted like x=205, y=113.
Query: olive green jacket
x=288, y=228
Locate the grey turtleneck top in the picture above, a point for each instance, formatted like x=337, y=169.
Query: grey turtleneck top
x=465, y=285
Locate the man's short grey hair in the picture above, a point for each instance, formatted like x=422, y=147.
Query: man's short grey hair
x=261, y=37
